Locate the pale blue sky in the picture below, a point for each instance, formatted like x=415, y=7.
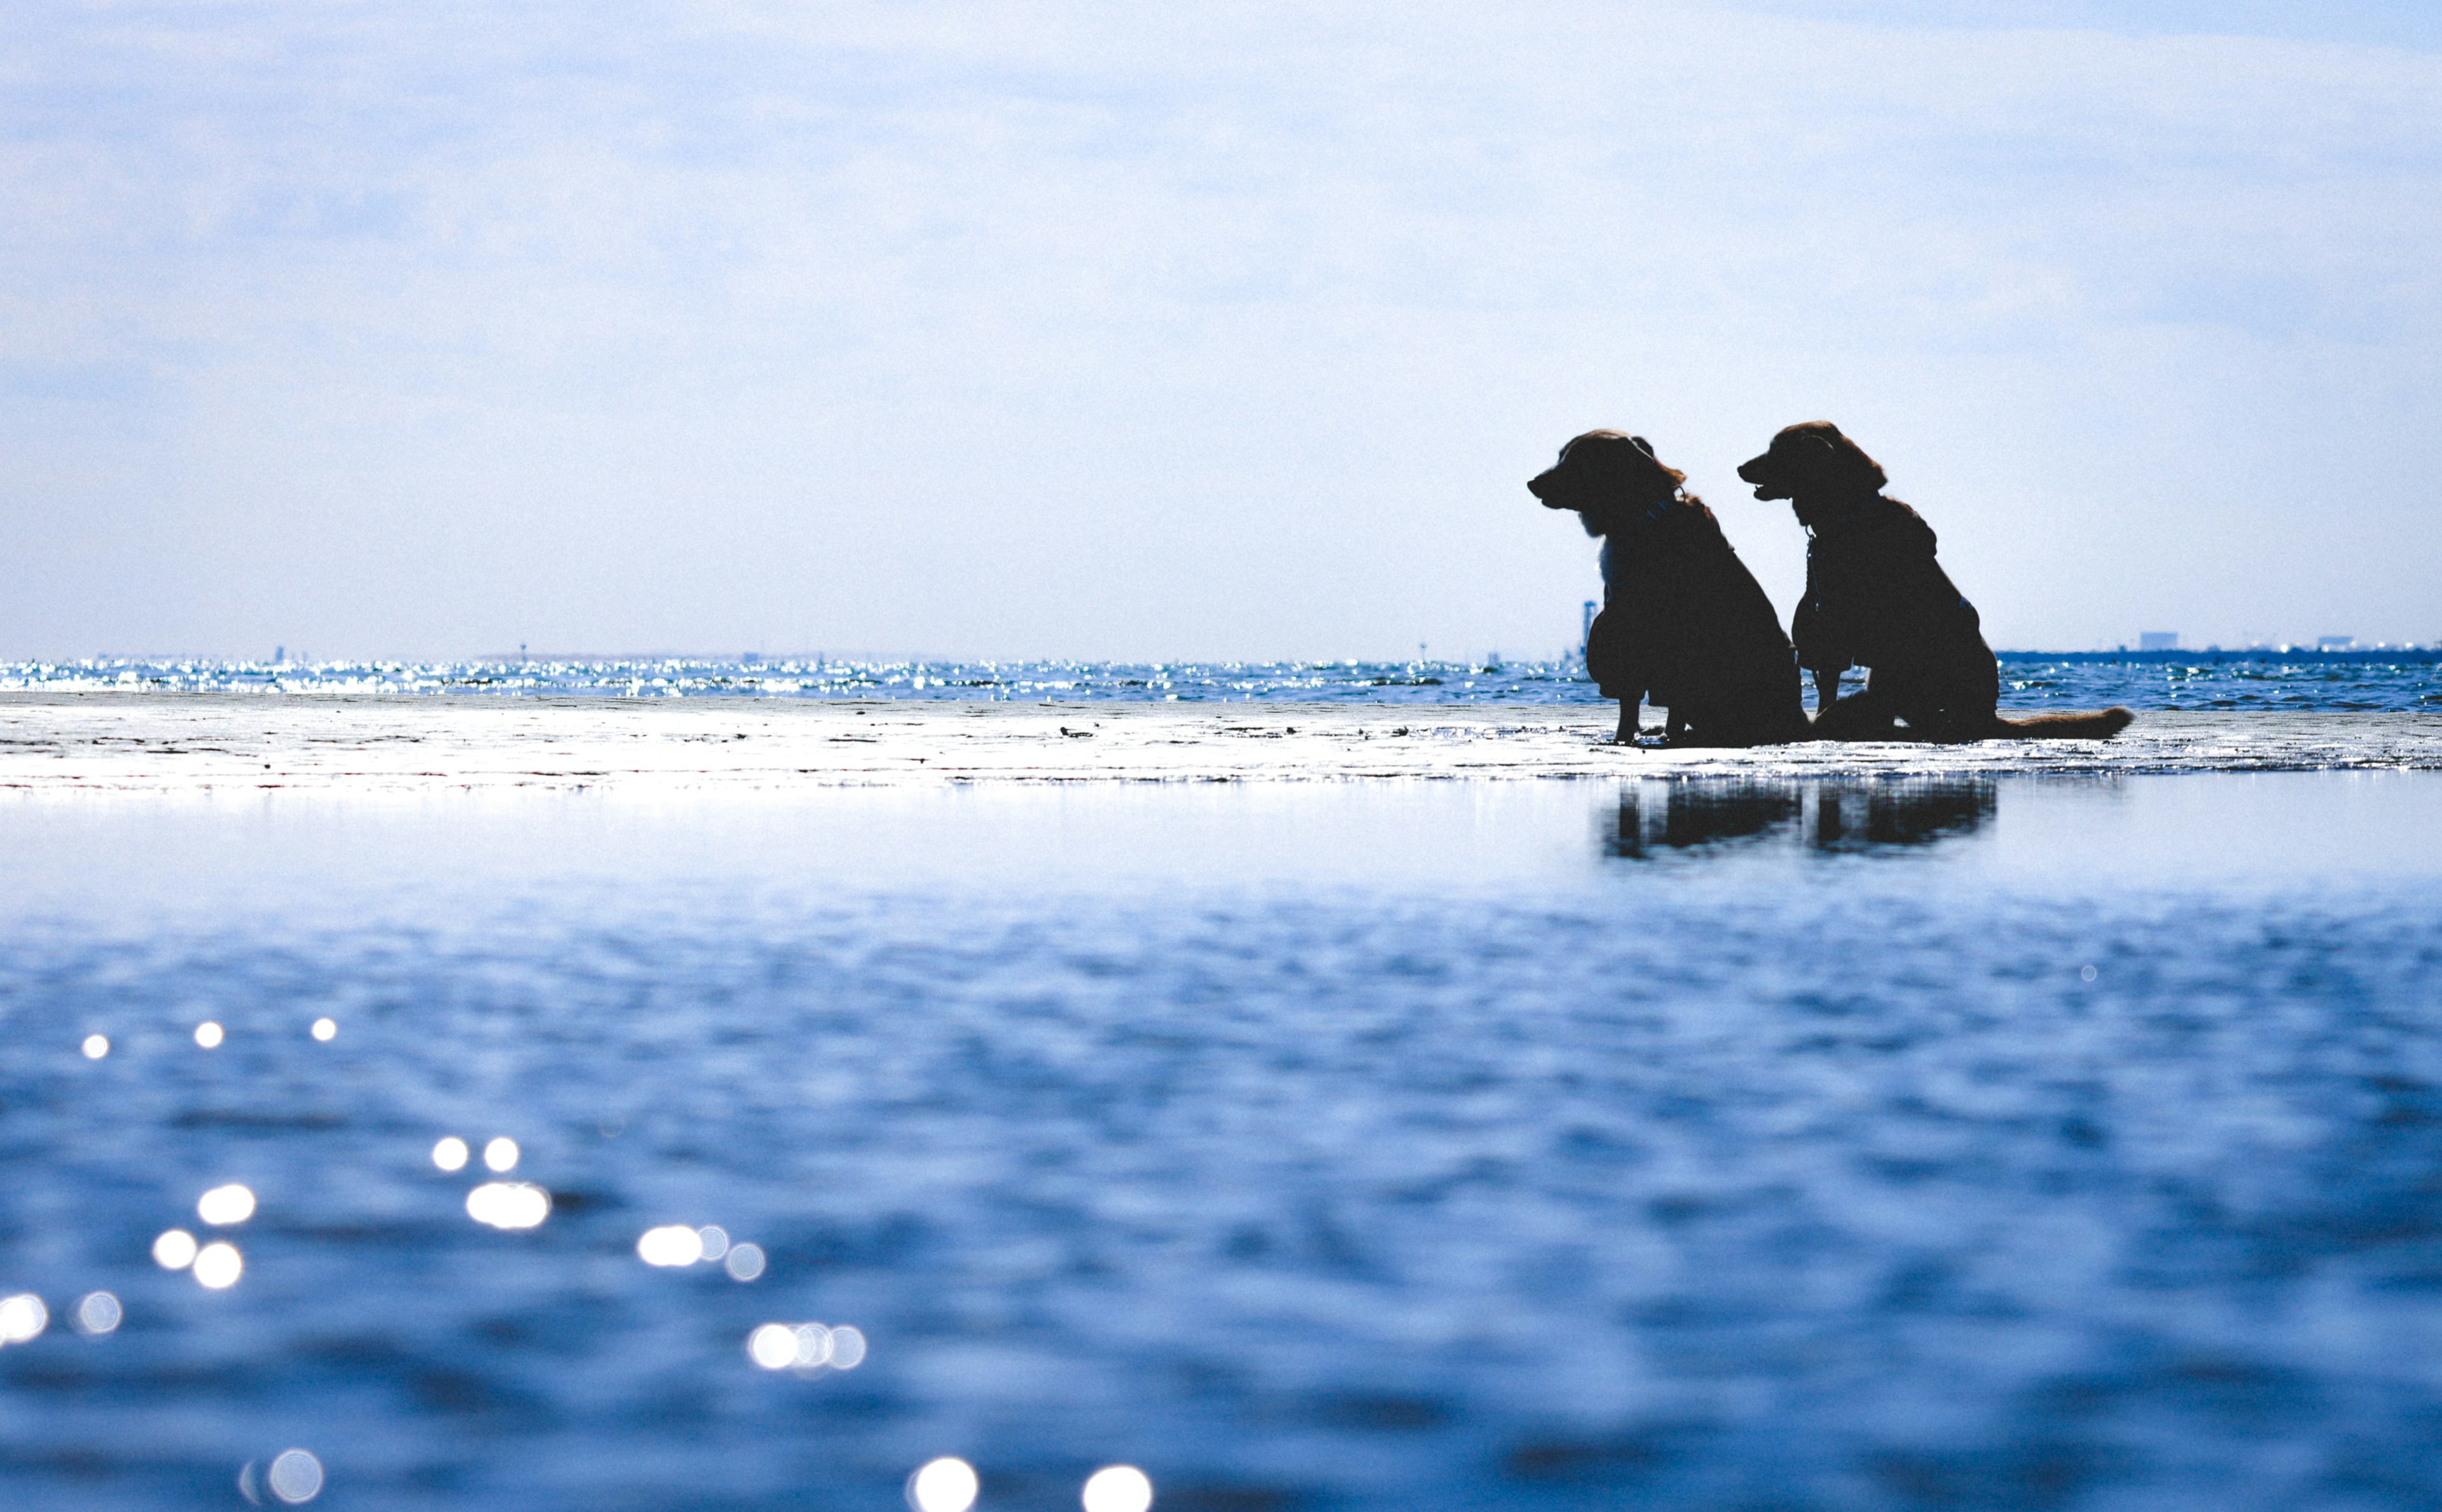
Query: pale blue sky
x=1058, y=329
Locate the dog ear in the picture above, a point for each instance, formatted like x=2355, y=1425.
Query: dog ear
x=1812, y=457
x=1841, y=461
x=1644, y=445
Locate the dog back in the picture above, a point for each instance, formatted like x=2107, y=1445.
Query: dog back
x=1685, y=623
x=1876, y=596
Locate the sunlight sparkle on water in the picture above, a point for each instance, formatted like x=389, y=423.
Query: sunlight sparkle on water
x=99, y=1313
x=95, y=1046
x=774, y=1346
x=501, y=1154
x=672, y=1243
x=208, y=1035
x=508, y=1204
x=806, y=1346
x=715, y=1240
x=450, y=1153
x=223, y=1206
x=744, y=1262
x=218, y=1265
x=1118, y=1488
x=23, y=1316
x=175, y=1249
x=326, y=1028
x=946, y=1484
x=296, y=1477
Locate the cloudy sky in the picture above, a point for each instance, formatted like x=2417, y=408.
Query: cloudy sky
x=432, y=327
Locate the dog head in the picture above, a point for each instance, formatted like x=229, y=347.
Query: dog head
x=1604, y=475
x=1813, y=462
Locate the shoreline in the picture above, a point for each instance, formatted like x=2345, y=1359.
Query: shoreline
x=191, y=742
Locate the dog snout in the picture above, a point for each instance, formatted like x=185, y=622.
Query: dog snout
x=1769, y=474
x=1544, y=485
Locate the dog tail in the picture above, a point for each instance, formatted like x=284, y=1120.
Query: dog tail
x=2065, y=726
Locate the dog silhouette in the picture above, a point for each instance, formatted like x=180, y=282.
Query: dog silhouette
x=1876, y=598
x=1684, y=624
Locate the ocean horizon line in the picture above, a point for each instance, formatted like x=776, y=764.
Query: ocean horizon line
x=2378, y=652
x=2293, y=678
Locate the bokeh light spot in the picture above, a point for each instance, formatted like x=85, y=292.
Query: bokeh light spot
x=175, y=1250
x=848, y=1347
x=326, y=1029
x=501, y=1154
x=672, y=1243
x=813, y=1346
x=23, y=1316
x=223, y=1206
x=296, y=1477
x=744, y=1262
x=946, y=1484
x=1118, y=1488
x=508, y=1204
x=95, y=1046
x=208, y=1035
x=715, y=1240
x=99, y=1313
x=218, y=1265
x=450, y=1153
x=774, y=1346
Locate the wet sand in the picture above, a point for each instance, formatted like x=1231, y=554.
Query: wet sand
x=153, y=742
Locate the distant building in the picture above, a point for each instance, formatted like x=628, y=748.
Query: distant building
x=2158, y=640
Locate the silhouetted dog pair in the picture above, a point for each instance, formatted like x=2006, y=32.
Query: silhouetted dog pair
x=1686, y=625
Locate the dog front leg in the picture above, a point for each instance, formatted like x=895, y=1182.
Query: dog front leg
x=1626, y=735
x=1827, y=687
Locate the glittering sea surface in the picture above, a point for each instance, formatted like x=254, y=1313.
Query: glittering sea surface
x=2028, y=680
x=1959, y=1143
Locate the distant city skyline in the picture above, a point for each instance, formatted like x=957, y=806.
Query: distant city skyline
x=1048, y=330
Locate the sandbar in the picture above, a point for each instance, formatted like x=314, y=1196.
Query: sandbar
x=186, y=743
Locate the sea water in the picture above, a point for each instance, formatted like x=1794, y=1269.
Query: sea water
x=2292, y=681
x=1950, y=1144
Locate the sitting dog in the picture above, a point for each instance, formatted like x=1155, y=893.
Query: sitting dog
x=1876, y=598
x=1683, y=622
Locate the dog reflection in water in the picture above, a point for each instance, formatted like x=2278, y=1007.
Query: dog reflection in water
x=1659, y=818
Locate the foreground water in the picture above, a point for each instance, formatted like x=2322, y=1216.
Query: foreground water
x=2030, y=681
x=1971, y=1142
